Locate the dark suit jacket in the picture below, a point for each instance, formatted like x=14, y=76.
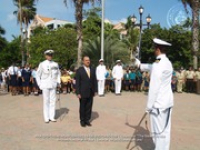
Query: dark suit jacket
x=86, y=86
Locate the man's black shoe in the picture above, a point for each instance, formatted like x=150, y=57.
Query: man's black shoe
x=88, y=124
x=83, y=124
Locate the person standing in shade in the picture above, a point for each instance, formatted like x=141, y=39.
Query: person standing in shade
x=190, y=75
x=108, y=79
x=160, y=97
x=198, y=80
x=48, y=78
x=181, y=79
x=26, y=79
x=13, y=75
x=132, y=76
x=86, y=89
x=117, y=74
x=126, y=80
x=100, y=75
x=34, y=82
x=4, y=76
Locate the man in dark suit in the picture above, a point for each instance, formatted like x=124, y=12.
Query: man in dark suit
x=86, y=89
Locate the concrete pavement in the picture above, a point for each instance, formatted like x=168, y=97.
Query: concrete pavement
x=114, y=121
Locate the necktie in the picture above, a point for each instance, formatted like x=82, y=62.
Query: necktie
x=88, y=72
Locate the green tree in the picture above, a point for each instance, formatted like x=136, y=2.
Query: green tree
x=91, y=25
x=25, y=13
x=79, y=18
x=195, y=6
x=180, y=51
x=114, y=49
x=10, y=53
x=132, y=40
x=2, y=39
x=62, y=40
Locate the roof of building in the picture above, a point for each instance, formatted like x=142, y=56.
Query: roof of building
x=45, y=19
x=119, y=26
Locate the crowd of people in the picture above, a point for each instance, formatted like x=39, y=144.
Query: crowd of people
x=18, y=80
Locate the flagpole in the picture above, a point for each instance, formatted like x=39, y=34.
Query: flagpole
x=102, y=29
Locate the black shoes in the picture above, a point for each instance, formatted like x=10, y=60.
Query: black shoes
x=88, y=123
x=84, y=124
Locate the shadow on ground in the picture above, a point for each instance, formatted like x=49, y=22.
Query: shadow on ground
x=141, y=138
x=94, y=116
x=61, y=113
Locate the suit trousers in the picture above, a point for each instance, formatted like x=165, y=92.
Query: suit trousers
x=85, y=109
x=118, y=84
x=49, y=104
x=161, y=127
x=101, y=86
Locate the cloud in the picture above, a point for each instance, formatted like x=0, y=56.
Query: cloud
x=11, y=17
x=123, y=20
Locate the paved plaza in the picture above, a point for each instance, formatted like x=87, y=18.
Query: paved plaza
x=114, y=121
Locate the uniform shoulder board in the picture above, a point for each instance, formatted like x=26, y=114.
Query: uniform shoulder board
x=157, y=60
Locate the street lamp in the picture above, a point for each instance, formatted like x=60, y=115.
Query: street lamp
x=148, y=19
x=134, y=19
x=141, y=9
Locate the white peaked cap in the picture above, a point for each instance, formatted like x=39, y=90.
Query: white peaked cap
x=161, y=42
x=49, y=51
x=100, y=60
x=118, y=61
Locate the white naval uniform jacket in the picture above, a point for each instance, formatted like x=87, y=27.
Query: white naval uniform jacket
x=117, y=72
x=160, y=92
x=101, y=72
x=48, y=75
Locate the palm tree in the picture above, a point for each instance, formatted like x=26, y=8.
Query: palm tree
x=114, y=49
x=79, y=18
x=2, y=31
x=2, y=39
x=132, y=38
x=25, y=13
x=195, y=6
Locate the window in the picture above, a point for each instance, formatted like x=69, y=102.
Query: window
x=50, y=26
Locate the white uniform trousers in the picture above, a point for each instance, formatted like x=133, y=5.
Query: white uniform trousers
x=118, y=84
x=101, y=86
x=49, y=104
x=161, y=132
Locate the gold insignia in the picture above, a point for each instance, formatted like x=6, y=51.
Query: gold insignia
x=157, y=61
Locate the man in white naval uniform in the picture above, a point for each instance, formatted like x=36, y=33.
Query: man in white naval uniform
x=48, y=78
x=100, y=74
x=117, y=74
x=160, y=97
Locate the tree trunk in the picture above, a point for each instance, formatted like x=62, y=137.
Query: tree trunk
x=26, y=42
x=21, y=30
x=79, y=18
x=195, y=32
